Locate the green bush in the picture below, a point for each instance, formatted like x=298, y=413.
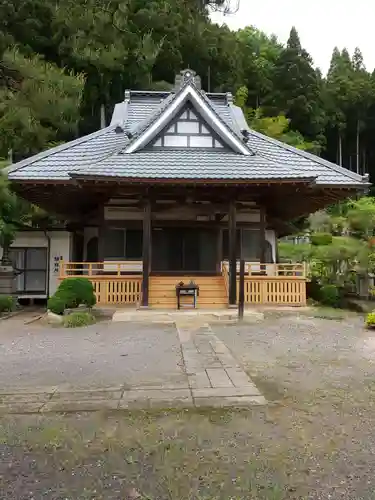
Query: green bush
x=370, y=320
x=71, y=293
x=321, y=239
x=78, y=319
x=79, y=290
x=329, y=295
x=57, y=303
x=7, y=303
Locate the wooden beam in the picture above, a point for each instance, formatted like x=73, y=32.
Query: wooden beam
x=232, y=227
x=146, y=257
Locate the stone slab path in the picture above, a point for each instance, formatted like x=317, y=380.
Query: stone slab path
x=214, y=378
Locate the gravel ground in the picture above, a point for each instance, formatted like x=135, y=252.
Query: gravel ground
x=314, y=441
x=98, y=356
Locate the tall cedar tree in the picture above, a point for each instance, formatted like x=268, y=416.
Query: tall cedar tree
x=297, y=89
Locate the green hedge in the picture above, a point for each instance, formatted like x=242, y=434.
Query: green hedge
x=71, y=293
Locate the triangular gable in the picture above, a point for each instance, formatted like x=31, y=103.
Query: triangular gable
x=188, y=94
x=188, y=130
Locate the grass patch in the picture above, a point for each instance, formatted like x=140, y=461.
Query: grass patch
x=328, y=313
x=78, y=320
x=183, y=455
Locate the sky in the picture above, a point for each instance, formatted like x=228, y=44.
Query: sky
x=321, y=24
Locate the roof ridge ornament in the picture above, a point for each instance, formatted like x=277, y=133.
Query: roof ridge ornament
x=185, y=76
x=229, y=97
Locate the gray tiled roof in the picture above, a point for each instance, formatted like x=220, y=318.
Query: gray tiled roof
x=56, y=163
x=279, y=152
x=190, y=164
x=99, y=153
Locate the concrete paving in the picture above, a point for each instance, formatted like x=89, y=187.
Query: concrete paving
x=172, y=316
x=120, y=366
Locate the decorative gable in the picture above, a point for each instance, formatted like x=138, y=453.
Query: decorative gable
x=188, y=131
x=187, y=98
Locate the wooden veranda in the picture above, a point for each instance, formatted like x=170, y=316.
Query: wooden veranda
x=265, y=284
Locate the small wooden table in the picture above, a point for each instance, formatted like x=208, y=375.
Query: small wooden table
x=187, y=290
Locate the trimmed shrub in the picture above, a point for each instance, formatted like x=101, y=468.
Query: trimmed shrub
x=79, y=290
x=370, y=320
x=78, y=319
x=321, y=239
x=7, y=303
x=57, y=303
x=330, y=296
x=71, y=293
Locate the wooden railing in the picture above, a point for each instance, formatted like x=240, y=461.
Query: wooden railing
x=272, y=284
x=107, y=267
x=112, y=286
x=258, y=269
x=263, y=290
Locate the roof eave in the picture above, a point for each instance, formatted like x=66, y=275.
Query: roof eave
x=160, y=180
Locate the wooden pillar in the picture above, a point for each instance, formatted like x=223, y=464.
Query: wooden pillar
x=232, y=254
x=263, y=241
x=101, y=236
x=241, y=290
x=146, y=253
x=276, y=248
x=219, y=250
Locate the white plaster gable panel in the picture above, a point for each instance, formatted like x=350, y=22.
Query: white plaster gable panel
x=188, y=131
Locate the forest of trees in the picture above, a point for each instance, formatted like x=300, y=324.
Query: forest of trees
x=62, y=60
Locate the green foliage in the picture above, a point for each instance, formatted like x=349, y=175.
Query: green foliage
x=297, y=88
x=71, y=293
x=58, y=303
x=342, y=244
x=321, y=239
x=329, y=295
x=79, y=290
x=294, y=253
x=370, y=320
x=39, y=103
x=361, y=216
x=78, y=319
x=7, y=303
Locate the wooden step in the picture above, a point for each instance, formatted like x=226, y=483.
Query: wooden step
x=172, y=293
x=212, y=293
